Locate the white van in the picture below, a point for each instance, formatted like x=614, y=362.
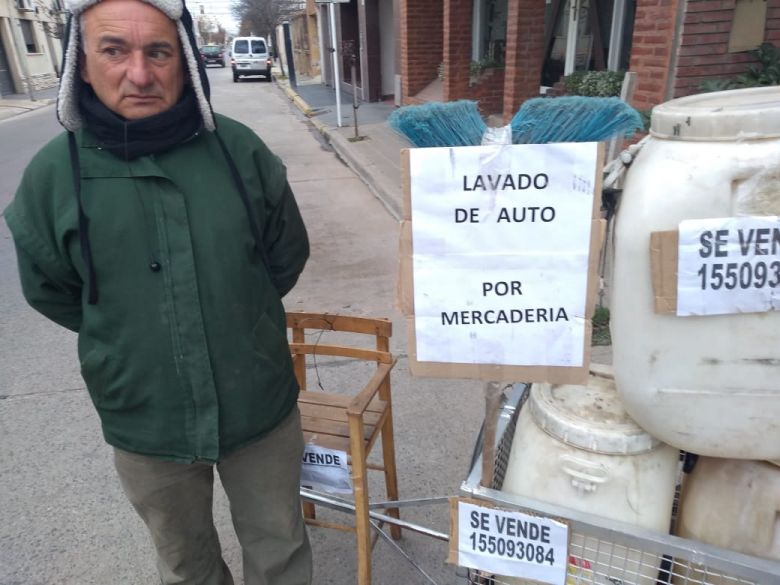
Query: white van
x=250, y=56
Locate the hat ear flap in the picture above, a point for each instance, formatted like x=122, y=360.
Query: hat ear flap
x=198, y=79
x=67, y=96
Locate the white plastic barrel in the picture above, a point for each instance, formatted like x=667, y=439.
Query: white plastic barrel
x=575, y=446
x=706, y=384
x=733, y=504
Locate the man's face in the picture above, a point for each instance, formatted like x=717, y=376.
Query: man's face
x=132, y=58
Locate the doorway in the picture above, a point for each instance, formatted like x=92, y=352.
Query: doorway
x=587, y=35
x=387, y=47
x=350, y=42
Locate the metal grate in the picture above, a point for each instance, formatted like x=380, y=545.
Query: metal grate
x=602, y=563
x=510, y=412
x=604, y=552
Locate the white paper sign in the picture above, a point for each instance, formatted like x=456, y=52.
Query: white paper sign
x=728, y=265
x=325, y=469
x=501, y=239
x=512, y=544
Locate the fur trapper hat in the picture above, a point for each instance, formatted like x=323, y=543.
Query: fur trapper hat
x=68, y=111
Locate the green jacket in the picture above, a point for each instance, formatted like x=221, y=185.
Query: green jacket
x=185, y=354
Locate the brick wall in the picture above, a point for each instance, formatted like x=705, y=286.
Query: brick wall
x=524, y=53
x=421, y=44
x=772, y=32
x=457, y=48
x=651, y=51
x=704, y=43
x=702, y=52
x=488, y=90
x=498, y=91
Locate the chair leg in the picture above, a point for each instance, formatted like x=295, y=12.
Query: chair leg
x=360, y=489
x=391, y=475
x=309, y=511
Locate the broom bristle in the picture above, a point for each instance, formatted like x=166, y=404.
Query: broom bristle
x=573, y=119
x=440, y=124
x=539, y=121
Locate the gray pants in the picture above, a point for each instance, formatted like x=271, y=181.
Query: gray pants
x=261, y=482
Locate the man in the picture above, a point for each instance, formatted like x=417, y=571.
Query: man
x=166, y=236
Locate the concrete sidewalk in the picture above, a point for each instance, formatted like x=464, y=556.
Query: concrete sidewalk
x=375, y=155
x=18, y=103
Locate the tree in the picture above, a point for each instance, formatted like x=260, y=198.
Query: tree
x=51, y=15
x=260, y=17
x=211, y=31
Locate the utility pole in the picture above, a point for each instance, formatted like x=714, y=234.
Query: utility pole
x=288, y=49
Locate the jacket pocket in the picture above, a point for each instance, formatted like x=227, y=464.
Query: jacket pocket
x=103, y=376
x=272, y=351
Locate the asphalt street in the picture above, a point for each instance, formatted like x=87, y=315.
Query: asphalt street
x=64, y=518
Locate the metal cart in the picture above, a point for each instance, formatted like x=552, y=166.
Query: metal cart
x=604, y=551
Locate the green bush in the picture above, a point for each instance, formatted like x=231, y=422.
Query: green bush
x=646, y=117
x=710, y=85
x=594, y=83
x=573, y=81
x=477, y=67
x=600, y=321
x=765, y=72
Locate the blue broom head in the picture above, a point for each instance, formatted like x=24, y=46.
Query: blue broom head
x=573, y=119
x=455, y=123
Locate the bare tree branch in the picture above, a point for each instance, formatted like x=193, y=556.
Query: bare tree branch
x=211, y=31
x=260, y=17
x=51, y=17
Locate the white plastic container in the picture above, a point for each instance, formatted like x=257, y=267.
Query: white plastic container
x=575, y=446
x=709, y=385
x=733, y=504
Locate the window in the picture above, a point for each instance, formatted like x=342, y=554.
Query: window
x=24, y=5
x=489, y=31
x=747, y=29
x=258, y=47
x=28, y=34
x=241, y=47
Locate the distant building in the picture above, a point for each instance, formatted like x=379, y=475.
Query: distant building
x=30, y=44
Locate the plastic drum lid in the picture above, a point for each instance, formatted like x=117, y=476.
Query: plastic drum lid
x=739, y=114
x=589, y=417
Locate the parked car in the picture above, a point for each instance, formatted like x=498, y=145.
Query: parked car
x=250, y=56
x=212, y=54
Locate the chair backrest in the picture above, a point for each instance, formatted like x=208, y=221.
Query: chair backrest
x=300, y=323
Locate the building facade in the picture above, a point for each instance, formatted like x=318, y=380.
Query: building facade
x=30, y=44
x=677, y=45
x=502, y=52
x=367, y=36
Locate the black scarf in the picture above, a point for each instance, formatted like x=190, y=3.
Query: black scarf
x=129, y=139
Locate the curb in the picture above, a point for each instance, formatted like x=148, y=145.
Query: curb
x=295, y=98
x=374, y=181
x=340, y=147
x=12, y=108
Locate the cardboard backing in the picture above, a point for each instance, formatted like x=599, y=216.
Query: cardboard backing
x=663, y=267
x=496, y=372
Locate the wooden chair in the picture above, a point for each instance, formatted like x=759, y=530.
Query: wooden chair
x=349, y=422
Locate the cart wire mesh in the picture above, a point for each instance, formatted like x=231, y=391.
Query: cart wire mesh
x=605, y=552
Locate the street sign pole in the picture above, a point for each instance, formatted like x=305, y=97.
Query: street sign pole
x=336, y=80
x=288, y=50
